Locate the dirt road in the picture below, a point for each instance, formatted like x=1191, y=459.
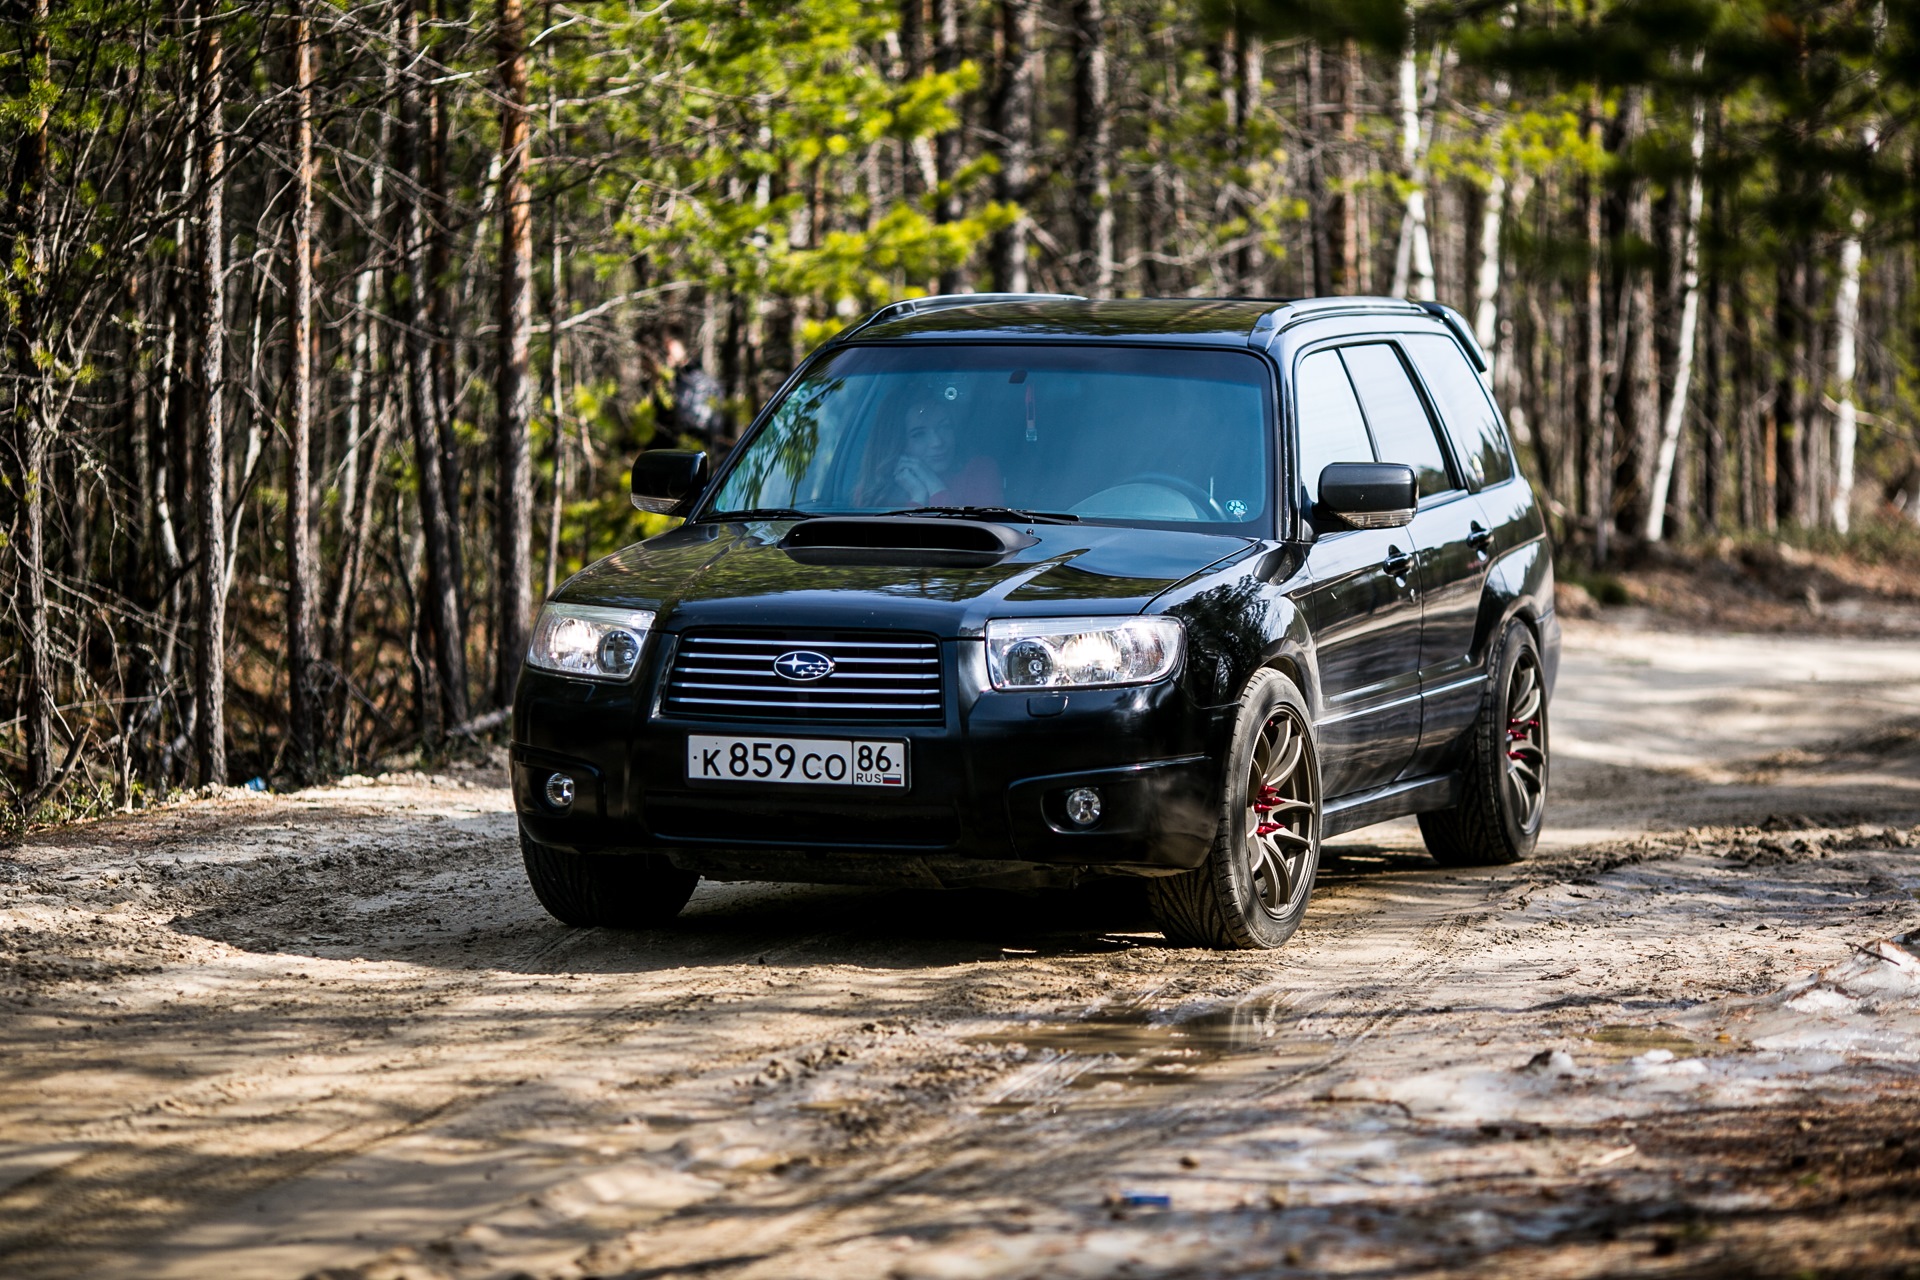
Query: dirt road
x=332, y=1033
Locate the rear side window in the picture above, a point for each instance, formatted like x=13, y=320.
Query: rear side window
x=1331, y=428
x=1401, y=428
x=1471, y=421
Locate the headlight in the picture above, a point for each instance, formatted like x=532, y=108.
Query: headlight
x=1067, y=653
x=583, y=640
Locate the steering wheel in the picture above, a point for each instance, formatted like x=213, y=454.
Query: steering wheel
x=1185, y=488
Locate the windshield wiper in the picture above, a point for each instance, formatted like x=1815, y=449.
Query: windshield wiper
x=992, y=513
x=761, y=513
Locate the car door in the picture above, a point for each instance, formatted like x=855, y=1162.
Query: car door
x=1450, y=534
x=1482, y=457
x=1362, y=603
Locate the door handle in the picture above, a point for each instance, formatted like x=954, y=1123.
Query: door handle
x=1479, y=538
x=1398, y=563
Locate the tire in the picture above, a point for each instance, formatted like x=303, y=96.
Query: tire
x=1503, y=799
x=1253, y=889
x=611, y=890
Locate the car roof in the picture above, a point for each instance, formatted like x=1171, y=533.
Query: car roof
x=1226, y=322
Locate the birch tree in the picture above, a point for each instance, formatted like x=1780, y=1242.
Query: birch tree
x=1675, y=416
x=1846, y=343
x=1413, y=261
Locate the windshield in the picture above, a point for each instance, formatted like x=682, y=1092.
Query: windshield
x=1155, y=436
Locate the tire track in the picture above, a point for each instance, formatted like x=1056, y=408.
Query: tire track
x=1030, y=1152
x=169, y=1160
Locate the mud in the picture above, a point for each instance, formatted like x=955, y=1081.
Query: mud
x=331, y=1034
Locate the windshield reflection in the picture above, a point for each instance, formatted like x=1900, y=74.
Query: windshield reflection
x=1169, y=438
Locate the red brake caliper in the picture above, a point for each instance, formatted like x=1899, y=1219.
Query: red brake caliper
x=1519, y=734
x=1267, y=802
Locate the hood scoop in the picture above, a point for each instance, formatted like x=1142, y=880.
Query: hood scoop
x=903, y=540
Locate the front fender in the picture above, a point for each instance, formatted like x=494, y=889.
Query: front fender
x=1239, y=619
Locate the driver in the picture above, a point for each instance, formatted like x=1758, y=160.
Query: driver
x=924, y=467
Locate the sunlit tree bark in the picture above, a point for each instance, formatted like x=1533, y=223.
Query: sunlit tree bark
x=1676, y=412
x=512, y=441
x=210, y=451
x=303, y=729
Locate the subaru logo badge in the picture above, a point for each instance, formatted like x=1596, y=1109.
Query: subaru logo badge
x=803, y=665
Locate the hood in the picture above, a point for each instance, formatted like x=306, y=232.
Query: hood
x=738, y=574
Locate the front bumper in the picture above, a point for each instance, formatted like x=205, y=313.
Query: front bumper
x=987, y=784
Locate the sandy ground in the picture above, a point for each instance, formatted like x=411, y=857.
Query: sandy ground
x=332, y=1034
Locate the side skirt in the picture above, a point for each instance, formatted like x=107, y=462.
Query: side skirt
x=1395, y=800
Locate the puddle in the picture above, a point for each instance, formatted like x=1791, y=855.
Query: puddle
x=1622, y=1041
x=1145, y=1052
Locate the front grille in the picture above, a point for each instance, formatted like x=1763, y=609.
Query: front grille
x=875, y=676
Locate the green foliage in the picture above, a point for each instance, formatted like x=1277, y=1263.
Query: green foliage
x=797, y=83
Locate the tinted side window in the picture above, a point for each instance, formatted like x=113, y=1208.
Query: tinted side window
x=1397, y=415
x=1331, y=428
x=1471, y=421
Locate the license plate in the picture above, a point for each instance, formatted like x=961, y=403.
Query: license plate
x=827, y=762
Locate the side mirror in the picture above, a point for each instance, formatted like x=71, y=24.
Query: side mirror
x=1369, y=495
x=664, y=478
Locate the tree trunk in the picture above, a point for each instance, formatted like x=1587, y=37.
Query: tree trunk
x=1683, y=346
x=556, y=307
x=1320, y=239
x=1637, y=396
x=1486, y=284
x=210, y=462
x=303, y=735
x=1846, y=324
x=29, y=402
x=1013, y=103
x=1790, y=291
x=1714, y=469
x=1093, y=135
x=512, y=441
x=1756, y=453
x=439, y=312
x=363, y=415
x=947, y=147
x=1248, y=66
x=1596, y=424
x=1345, y=209
x=1413, y=260
x=440, y=611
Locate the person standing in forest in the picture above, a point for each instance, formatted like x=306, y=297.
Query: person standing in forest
x=690, y=407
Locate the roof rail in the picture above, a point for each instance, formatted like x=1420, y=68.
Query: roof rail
x=1300, y=310
x=1303, y=307
x=941, y=301
x=1458, y=323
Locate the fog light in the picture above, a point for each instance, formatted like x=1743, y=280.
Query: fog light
x=1083, y=806
x=560, y=791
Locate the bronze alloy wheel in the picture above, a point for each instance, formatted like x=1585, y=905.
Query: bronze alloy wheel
x=1252, y=891
x=1283, y=814
x=1502, y=802
x=1526, y=743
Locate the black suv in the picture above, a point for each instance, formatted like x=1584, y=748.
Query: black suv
x=1021, y=589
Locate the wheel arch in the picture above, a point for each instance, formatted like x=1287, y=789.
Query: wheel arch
x=1291, y=661
x=1519, y=587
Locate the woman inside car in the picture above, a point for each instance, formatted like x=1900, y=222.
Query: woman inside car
x=914, y=459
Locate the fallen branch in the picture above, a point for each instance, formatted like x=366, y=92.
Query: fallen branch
x=481, y=724
x=31, y=800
